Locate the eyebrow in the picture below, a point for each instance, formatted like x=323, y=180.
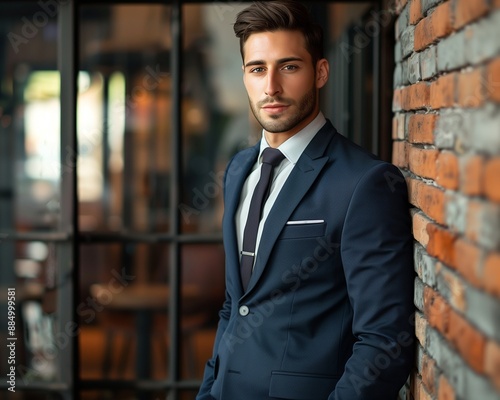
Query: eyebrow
x=280, y=61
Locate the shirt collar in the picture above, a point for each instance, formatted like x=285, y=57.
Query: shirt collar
x=293, y=147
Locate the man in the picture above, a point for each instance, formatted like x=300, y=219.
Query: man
x=324, y=310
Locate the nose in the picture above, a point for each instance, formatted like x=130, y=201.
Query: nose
x=273, y=84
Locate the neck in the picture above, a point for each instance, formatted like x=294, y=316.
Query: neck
x=276, y=139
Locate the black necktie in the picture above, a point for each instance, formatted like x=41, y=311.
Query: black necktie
x=270, y=159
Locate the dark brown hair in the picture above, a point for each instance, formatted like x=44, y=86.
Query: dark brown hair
x=270, y=16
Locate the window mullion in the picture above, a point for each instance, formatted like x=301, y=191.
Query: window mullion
x=175, y=189
x=67, y=256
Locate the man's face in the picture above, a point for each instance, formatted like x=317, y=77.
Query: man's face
x=281, y=81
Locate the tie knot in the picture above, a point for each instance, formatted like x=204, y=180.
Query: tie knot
x=272, y=156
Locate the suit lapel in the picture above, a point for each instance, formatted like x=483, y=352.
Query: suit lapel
x=236, y=175
x=303, y=175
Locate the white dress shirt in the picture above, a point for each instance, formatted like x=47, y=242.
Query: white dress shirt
x=292, y=150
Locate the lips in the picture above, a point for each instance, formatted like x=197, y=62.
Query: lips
x=275, y=108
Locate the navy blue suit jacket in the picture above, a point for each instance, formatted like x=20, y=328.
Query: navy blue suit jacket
x=328, y=310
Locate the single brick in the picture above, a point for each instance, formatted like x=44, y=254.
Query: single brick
x=442, y=92
x=475, y=215
x=469, y=342
x=420, y=328
x=492, y=362
x=398, y=75
x=491, y=274
x=449, y=127
x=447, y=170
x=403, y=20
x=441, y=244
x=467, y=11
x=418, y=295
x=414, y=68
x=420, y=228
x=421, y=128
x=395, y=127
x=451, y=52
x=400, y=154
x=467, y=259
x=471, y=175
x=433, y=27
x=482, y=39
x=491, y=179
x=428, y=4
x=428, y=62
x=482, y=311
x=429, y=374
x=483, y=223
x=452, y=288
x=419, y=391
x=398, y=126
x=397, y=100
x=422, y=162
x=430, y=199
x=445, y=391
x=470, y=89
x=456, y=211
x=407, y=41
x=436, y=310
x=405, y=76
x=482, y=133
x=398, y=53
x=416, y=96
x=415, y=11
x=425, y=266
x=492, y=86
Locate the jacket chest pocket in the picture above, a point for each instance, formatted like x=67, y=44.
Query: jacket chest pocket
x=299, y=229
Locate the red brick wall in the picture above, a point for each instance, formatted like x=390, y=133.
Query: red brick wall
x=446, y=133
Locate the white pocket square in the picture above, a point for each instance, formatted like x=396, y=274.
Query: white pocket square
x=306, y=221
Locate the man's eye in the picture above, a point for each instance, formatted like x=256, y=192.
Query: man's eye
x=290, y=67
x=258, y=69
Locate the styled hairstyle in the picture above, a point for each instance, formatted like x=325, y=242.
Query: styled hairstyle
x=270, y=16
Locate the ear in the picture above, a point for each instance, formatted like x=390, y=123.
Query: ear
x=322, y=72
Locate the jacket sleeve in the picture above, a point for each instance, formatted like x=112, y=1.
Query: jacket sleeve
x=208, y=377
x=377, y=255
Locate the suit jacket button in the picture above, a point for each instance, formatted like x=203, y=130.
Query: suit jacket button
x=244, y=311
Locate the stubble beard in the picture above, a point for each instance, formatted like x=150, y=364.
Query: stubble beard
x=280, y=123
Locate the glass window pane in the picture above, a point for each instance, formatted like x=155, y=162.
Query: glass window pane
x=29, y=118
x=123, y=311
x=124, y=108
x=29, y=289
x=216, y=120
x=202, y=276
